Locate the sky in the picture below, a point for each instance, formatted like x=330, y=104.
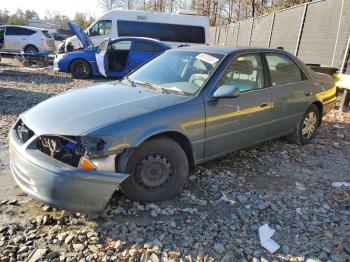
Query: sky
x=65, y=7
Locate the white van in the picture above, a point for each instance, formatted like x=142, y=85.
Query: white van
x=171, y=28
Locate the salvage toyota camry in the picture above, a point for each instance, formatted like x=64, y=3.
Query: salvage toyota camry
x=144, y=133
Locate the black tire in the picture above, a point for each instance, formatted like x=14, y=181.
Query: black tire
x=30, y=49
x=41, y=64
x=80, y=69
x=158, y=170
x=298, y=136
x=26, y=63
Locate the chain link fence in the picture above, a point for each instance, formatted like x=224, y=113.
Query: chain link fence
x=316, y=32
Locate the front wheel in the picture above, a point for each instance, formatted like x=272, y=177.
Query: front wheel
x=80, y=69
x=306, y=129
x=158, y=170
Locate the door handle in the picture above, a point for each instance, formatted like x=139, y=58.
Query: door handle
x=264, y=105
x=308, y=94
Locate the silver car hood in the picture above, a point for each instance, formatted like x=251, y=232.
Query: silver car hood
x=81, y=110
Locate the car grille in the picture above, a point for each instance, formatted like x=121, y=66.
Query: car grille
x=23, y=132
x=62, y=149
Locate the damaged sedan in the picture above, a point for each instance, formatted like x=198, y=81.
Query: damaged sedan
x=145, y=133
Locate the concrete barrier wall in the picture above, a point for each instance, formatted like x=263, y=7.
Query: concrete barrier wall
x=244, y=32
x=319, y=36
x=316, y=32
x=286, y=28
x=262, y=31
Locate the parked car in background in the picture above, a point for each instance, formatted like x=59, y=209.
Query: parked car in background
x=14, y=39
x=58, y=36
x=112, y=58
x=143, y=134
x=171, y=28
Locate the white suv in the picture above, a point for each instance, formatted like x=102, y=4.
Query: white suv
x=14, y=39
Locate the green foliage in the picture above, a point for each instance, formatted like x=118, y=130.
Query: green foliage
x=83, y=20
x=31, y=14
x=21, y=18
x=18, y=18
x=4, y=16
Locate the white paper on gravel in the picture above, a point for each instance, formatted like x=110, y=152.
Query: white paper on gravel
x=265, y=234
x=341, y=184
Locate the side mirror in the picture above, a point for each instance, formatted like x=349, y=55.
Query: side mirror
x=226, y=91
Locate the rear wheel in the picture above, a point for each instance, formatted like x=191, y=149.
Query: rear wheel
x=31, y=49
x=41, y=64
x=158, y=170
x=306, y=129
x=80, y=69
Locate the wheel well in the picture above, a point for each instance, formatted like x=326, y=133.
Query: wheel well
x=320, y=108
x=77, y=59
x=183, y=142
x=24, y=48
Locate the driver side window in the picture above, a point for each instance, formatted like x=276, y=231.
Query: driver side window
x=102, y=27
x=244, y=72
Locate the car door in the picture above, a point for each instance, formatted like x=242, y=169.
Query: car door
x=117, y=58
x=291, y=92
x=232, y=123
x=11, y=38
x=101, y=58
x=16, y=38
x=142, y=52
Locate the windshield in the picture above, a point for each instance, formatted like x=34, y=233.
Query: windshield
x=178, y=71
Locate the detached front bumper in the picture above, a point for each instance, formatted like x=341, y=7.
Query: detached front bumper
x=56, y=183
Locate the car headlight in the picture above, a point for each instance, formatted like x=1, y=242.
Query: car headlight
x=93, y=146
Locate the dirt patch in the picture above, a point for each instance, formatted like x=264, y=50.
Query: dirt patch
x=271, y=183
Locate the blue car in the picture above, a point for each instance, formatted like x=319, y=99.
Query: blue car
x=112, y=58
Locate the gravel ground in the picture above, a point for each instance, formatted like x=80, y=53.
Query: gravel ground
x=215, y=218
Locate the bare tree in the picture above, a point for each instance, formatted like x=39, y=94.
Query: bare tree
x=107, y=5
x=219, y=12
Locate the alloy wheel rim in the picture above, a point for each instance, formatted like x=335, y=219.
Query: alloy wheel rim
x=153, y=171
x=81, y=70
x=31, y=50
x=309, y=125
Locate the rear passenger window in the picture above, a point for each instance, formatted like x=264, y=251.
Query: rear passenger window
x=46, y=34
x=13, y=30
x=147, y=47
x=283, y=70
x=244, y=72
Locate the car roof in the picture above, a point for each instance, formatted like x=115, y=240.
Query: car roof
x=156, y=41
x=226, y=50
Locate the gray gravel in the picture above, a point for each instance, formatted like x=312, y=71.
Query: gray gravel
x=215, y=218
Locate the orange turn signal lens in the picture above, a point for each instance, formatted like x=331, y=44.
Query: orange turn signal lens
x=86, y=164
